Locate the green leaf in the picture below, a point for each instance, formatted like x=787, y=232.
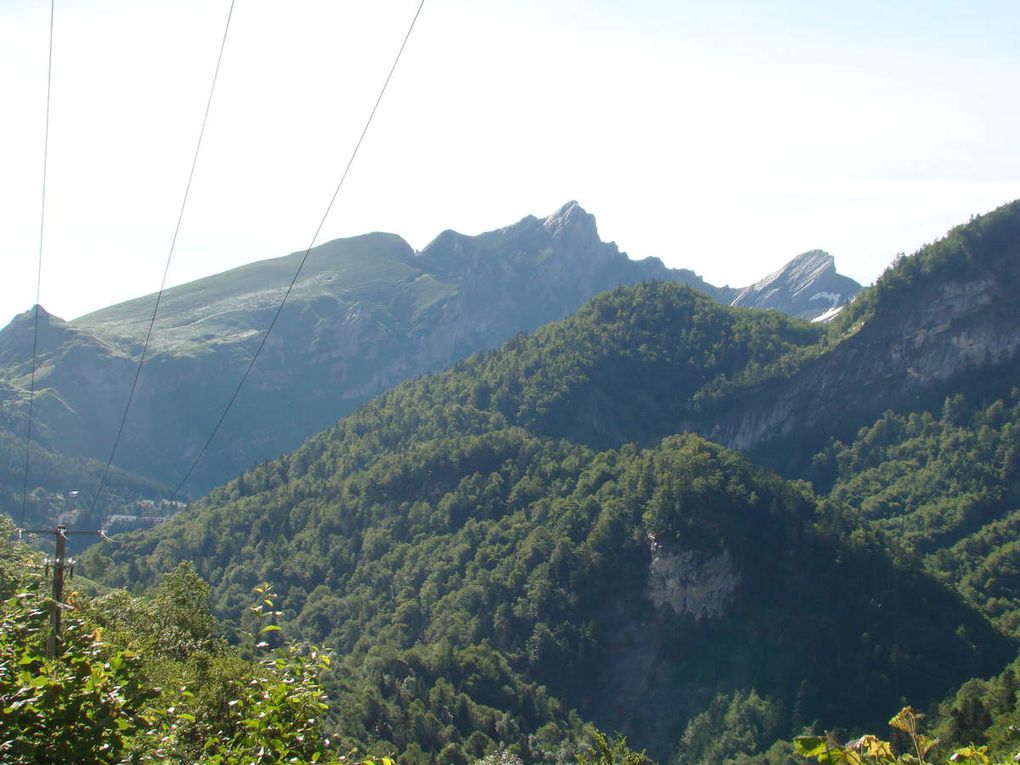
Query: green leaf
x=809, y=746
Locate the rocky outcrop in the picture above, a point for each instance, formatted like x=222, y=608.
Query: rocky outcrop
x=691, y=582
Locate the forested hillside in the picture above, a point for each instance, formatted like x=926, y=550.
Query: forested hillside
x=945, y=483
x=493, y=515
x=153, y=680
x=633, y=584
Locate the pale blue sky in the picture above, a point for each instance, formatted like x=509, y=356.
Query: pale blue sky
x=721, y=136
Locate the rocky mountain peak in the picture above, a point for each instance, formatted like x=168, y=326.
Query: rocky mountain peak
x=27, y=318
x=571, y=220
x=799, y=273
x=807, y=287
x=18, y=337
x=809, y=265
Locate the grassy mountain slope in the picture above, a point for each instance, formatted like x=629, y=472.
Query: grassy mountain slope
x=232, y=305
x=62, y=487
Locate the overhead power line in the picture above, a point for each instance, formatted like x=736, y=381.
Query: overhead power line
x=166, y=268
x=304, y=259
x=38, y=277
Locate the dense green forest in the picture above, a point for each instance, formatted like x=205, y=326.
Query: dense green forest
x=986, y=247
x=532, y=556
x=944, y=483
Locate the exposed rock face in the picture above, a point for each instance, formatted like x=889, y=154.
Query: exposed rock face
x=691, y=582
x=807, y=287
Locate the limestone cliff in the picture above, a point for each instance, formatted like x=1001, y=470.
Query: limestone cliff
x=691, y=582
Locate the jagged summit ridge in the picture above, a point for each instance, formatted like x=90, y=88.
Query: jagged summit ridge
x=808, y=287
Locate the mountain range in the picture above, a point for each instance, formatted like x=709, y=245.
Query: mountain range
x=562, y=529
x=365, y=314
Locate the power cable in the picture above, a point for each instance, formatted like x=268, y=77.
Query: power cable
x=166, y=269
x=304, y=258
x=38, y=277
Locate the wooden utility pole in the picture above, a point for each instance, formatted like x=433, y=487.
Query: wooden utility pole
x=60, y=533
x=60, y=563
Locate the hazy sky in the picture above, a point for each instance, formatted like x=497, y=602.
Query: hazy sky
x=725, y=137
